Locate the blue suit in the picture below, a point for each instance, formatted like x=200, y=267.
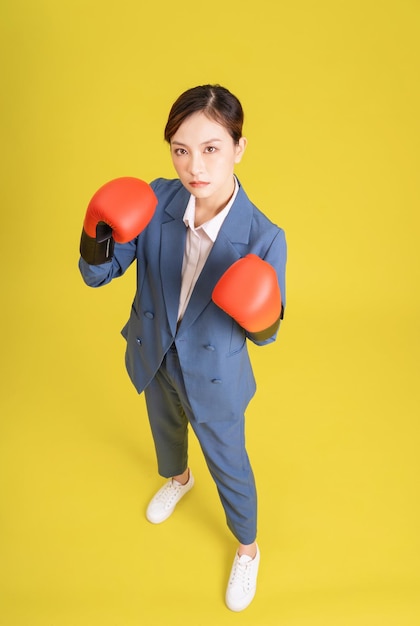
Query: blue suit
x=211, y=348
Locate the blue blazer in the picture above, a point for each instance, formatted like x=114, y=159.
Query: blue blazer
x=212, y=347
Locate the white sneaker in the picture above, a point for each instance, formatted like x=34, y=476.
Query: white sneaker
x=162, y=505
x=242, y=582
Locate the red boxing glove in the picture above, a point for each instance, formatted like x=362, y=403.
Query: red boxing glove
x=249, y=292
x=118, y=211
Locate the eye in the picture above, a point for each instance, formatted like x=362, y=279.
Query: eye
x=180, y=151
x=210, y=149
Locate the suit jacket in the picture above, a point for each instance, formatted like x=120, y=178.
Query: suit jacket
x=212, y=347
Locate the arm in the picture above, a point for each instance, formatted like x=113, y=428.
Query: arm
x=250, y=291
x=99, y=275
x=277, y=257
x=115, y=216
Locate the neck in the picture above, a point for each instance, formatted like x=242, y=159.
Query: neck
x=206, y=208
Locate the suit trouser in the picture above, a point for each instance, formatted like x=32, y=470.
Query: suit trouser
x=222, y=443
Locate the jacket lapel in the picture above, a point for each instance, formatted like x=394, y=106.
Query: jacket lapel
x=235, y=230
x=173, y=235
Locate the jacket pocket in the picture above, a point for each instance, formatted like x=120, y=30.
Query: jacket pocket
x=133, y=318
x=237, y=339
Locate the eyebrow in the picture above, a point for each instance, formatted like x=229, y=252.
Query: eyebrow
x=178, y=143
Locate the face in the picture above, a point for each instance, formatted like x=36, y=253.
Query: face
x=204, y=155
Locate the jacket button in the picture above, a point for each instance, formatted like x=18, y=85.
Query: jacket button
x=216, y=381
x=210, y=348
x=149, y=315
x=138, y=340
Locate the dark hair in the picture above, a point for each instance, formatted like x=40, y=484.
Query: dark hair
x=215, y=101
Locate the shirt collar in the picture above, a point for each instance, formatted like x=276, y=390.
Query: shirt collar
x=212, y=226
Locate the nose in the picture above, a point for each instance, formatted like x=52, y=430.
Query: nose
x=196, y=164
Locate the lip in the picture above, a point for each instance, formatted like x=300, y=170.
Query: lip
x=198, y=183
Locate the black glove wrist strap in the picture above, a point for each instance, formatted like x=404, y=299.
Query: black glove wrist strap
x=99, y=249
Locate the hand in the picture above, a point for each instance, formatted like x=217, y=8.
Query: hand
x=118, y=211
x=249, y=292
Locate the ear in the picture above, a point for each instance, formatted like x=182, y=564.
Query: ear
x=240, y=149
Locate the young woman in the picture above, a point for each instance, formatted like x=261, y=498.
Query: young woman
x=211, y=275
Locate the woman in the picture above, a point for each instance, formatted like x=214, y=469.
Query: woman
x=211, y=268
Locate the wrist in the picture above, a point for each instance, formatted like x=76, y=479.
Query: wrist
x=99, y=249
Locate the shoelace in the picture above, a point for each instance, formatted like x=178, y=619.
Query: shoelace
x=169, y=493
x=241, y=574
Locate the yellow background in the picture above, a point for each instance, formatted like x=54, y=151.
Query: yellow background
x=331, y=96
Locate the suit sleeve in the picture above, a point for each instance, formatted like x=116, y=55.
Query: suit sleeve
x=276, y=255
x=99, y=275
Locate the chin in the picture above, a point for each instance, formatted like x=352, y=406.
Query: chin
x=201, y=193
